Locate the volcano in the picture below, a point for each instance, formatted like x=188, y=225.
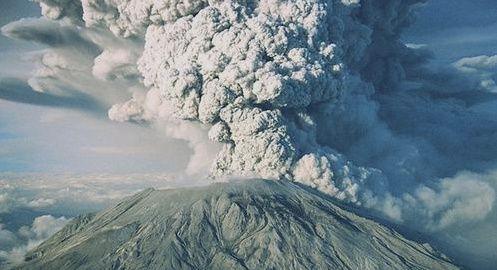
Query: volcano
x=250, y=224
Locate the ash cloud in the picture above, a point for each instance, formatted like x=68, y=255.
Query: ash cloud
x=293, y=96
x=321, y=92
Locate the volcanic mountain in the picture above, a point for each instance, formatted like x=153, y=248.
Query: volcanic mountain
x=250, y=224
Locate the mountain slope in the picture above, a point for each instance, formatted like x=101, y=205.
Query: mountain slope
x=254, y=224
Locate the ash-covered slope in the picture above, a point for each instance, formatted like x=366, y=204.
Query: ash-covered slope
x=253, y=224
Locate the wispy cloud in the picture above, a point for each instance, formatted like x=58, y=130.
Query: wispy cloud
x=17, y=90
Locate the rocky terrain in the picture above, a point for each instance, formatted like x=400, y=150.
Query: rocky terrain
x=252, y=224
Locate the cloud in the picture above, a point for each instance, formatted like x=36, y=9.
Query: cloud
x=76, y=63
x=16, y=90
x=116, y=64
x=195, y=135
x=44, y=227
x=9, y=201
x=41, y=203
x=7, y=239
x=484, y=67
x=60, y=9
x=464, y=198
x=49, y=33
x=28, y=238
x=242, y=84
x=130, y=18
x=474, y=64
x=60, y=193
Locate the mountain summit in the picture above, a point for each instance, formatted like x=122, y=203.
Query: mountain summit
x=252, y=224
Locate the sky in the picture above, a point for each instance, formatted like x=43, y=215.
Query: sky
x=461, y=29
x=457, y=29
x=63, y=156
x=48, y=140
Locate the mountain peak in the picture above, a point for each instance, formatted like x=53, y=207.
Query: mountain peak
x=251, y=224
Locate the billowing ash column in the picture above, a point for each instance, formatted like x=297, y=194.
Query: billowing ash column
x=252, y=70
x=285, y=87
x=257, y=72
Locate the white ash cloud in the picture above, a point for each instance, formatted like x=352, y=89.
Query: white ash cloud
x=251, y=71
x=59, y=9
x=312, y=91
x=116, y=64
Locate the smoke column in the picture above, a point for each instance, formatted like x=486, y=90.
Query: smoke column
x=320, y=92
